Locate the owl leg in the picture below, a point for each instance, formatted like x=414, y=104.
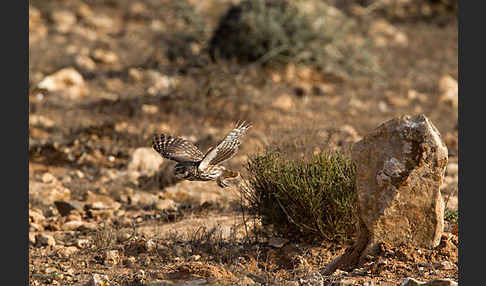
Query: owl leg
x=221, y=182
x=227, y=174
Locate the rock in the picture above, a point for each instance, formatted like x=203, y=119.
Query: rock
x=100, y=202
x=72, y=225
x=312, y=279
x=41, y=121
x=48, y=178
x=145, y=161
x=104, y=56
x=159, y=83
x=37, y=28
x=342, y=282
x=36, y=216
x=436, y=282
x=142, y=198
x=68, y=82
x=166, y=205
x=85, y=62
x=45, y=239
x=277, y=242
x=452, y=169
x=150, y=109
x=31, y=238
x=449, y=91
x=385, y=34
x=284, y=102
x=399, y=170
x=67, y=252
x=150, y=245
x=66, y=207
x=64, y=20
x=47, y=194
x=445, y=265
x=197, y=192
x=97, y=280
x=112, y=257
x=35, y=227
x=82, y=243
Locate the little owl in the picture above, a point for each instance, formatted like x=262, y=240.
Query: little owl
x=192, y=164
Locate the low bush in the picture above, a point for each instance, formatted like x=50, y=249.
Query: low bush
x=312, y=197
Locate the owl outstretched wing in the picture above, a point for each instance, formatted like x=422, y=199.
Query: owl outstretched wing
x=226, y=149
x=176, y=148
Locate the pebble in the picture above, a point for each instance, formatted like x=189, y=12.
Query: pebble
x=97, y=280
x=45, y=239
x=112, y=257
x=166, y=205
x=32, y=238
x=48, y=178
x=66, y=252
x=68, y=81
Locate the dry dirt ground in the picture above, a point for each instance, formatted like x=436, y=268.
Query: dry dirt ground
x=145, y=70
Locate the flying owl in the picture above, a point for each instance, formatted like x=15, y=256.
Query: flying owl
x=192, y=164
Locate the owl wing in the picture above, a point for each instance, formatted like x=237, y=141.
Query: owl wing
x=227, y=148
x=176, y=148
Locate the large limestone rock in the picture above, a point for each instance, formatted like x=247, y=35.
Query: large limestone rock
x=399, y=170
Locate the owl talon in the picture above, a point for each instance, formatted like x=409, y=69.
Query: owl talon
x=222, y=184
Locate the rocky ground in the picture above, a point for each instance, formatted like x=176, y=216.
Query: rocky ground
x=104, y=208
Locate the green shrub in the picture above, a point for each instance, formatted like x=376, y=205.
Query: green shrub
x=451, y=215
x=313, y=198
x=299, y=32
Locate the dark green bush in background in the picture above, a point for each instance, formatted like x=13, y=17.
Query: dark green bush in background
x=311, y=198
x=299, y=32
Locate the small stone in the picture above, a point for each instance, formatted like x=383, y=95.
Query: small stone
x=63, y=19
x=68, y=82
x=82, y=243
x=166, y=205
x=436, y=282
x=32, y=238
x=35, y=227
x=150, y=109
x=97, y=280
x=48, y=178
x=45, y=239
x=130, y=261
x=145, y=160
x=452, y=169
x=72, y=225
x=85, y=62
x=382, y=106
x=277, y=242
x=112, y=257
x=36, y=216
x=66, y=252
x=135, y=74
x=343, y=282
x=449, y=91
x=195, y=257
x=66, y=207
x=150, y=245
x=104, y=56
x=284, y=102
x=445, y=265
